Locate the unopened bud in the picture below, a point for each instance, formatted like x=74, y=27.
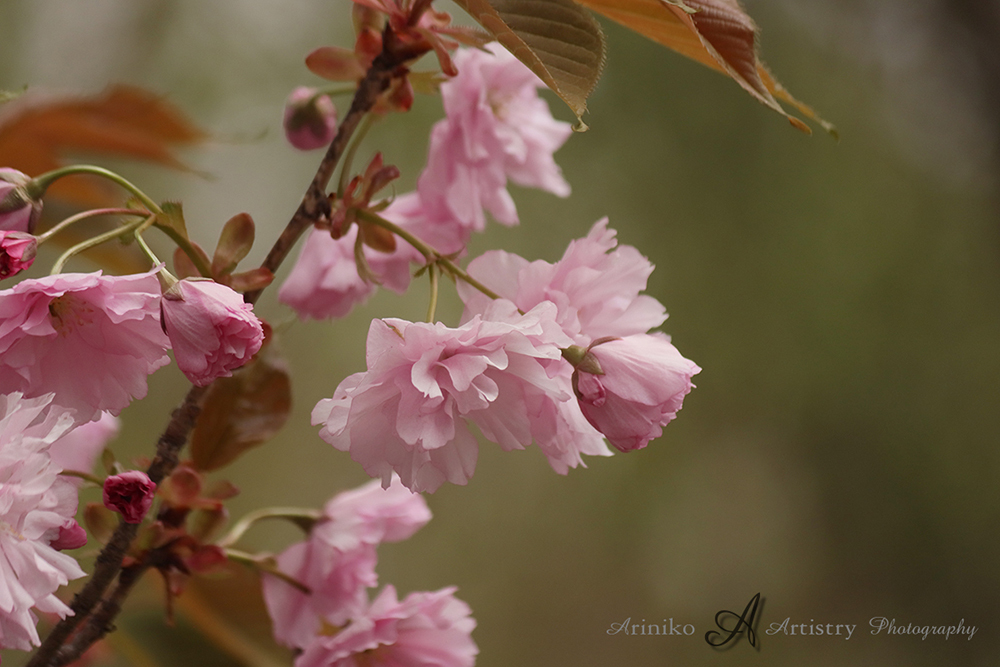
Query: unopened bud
x=310, y=119
x=19, y=211
x=17, y=252
x=130, y=494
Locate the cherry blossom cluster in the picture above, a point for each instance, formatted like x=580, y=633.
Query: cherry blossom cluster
x=560, y=355
x=554, y=354
x=496, y=129
x=336, y=624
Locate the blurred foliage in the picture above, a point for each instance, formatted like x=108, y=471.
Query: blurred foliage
x=839, y=454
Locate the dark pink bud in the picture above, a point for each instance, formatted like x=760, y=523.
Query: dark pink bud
x=310, y=119
x=71, y=536
x=17, y=252
x=130, y=494
x=18, y=211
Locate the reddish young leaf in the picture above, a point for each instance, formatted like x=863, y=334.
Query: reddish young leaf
x=242, y=411
x=715, y=33
x=38, y=133
x=556, y=39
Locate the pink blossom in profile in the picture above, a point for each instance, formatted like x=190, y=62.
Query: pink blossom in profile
x=36, y=506
x=310, y=119
x=643, y=383
x=17, y=252
x=408, y=412
x=90, y=339
x=18, y=212
x=325, y=283
x=595, y=286
x=424, y=630
x=130, y=493
x=337, y=562
x=213, y=331
x=79, y=448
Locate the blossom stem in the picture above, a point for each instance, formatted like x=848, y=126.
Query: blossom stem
x=428, y=251
x=83, y=475
x=302, y=517
x=265, y=564
x=96, y=241
x=432, y=306
x=168, y=278
x=38, y=185
x=42, y=238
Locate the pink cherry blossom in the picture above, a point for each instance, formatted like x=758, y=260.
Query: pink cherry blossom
x=130, y=494
x=337, y=562
x=18, y=212
x=90, y=339
x=424, y=630
x=36, y=507
x=17, y=252
x=310, y=119
x=338, y=582
x=496, y=129
x=324, y=283
x=642, y=387
x=79, y=448
x=494, y=100
x=408, y=413
x=595, y=286
x=212, y=330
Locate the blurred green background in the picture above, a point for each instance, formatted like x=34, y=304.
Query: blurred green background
x=839, y=455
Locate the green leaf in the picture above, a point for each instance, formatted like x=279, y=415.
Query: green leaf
x=557, y=39
x=242, y=411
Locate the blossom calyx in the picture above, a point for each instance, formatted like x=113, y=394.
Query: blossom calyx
x=130, y=494
x=19, y=210
x=211, y=329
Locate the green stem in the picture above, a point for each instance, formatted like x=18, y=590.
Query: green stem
x=95, y=241
x=168, y=279
x=265, y=564
x=83, y=475
x=432, y=306
x=345, y=170
x=185, y=245
x=38, y=185
x=427, y=251
x=42, y=238
x=298, y=515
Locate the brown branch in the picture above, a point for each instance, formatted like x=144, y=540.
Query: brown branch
x=315, y=207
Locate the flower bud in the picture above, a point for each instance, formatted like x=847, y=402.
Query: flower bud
x=640, y=390
x=19, y=211
x=130, y=494
x=211, y=329
x=310, y=119
x=17, y=252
